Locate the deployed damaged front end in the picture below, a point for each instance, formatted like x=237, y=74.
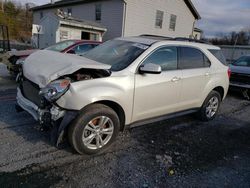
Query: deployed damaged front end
x=47, y=76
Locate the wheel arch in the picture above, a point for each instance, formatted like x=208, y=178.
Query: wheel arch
x=117, y=108
x=220, y=90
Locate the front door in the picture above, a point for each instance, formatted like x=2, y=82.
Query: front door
x=158, y=94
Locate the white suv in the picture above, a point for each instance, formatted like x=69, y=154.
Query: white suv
x=125, y=81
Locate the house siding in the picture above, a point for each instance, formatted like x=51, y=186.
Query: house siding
x=50, y=27
x=141, y=15
x=112, y=15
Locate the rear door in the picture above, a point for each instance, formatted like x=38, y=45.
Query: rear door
x=158, y=94
x=195, y=68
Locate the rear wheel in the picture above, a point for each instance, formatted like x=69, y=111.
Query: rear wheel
x=94, y=130
x=210, y=107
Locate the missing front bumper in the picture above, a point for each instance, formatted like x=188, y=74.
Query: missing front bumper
x=55, y=113
x=27, y=105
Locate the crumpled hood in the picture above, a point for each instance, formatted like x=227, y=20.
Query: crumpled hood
x=45, y=66
x=240, y=69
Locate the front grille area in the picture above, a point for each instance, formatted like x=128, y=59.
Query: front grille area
x=240, y=78
x=31, y=91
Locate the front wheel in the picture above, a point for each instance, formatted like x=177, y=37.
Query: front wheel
x=94, y=130
x=210, y=107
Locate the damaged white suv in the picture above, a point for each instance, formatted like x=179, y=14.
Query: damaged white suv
x=125, y=81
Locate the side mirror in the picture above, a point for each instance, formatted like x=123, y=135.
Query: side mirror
x=150, y=68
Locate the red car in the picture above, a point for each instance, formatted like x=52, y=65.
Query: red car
x=77, y=47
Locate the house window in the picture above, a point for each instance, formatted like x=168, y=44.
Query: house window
x=69, y=11
x=41, y=15
x=64, y=35
x=159, y=19
x=172, y=24
x=98, y=12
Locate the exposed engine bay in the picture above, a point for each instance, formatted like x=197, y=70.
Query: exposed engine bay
x=88, y=74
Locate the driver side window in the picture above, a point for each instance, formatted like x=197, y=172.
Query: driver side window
x=166, y=57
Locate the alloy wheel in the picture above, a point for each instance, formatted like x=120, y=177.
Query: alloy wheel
x=212, y=107
x=98, y=132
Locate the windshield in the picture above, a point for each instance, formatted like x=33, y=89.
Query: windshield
x=243, y=61
x=117, y=53
x=60, y=46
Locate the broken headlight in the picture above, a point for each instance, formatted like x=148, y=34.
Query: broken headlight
x=55, y=90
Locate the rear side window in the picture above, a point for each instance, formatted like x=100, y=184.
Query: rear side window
x=218, y=54
x=191, y=58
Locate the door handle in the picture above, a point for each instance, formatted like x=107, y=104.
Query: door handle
x=175, y=79
x=207, y=74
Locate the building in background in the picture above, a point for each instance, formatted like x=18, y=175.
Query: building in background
x=53, y=28
x=197, y=33
x=172, y=18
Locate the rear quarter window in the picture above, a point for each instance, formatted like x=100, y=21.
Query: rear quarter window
x=192, y=58
x=219, y=55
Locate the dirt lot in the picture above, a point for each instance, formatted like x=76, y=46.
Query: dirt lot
x=181, y=152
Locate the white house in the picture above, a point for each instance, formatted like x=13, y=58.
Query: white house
x=197, y=33
x=53, y=28
x=173, y=18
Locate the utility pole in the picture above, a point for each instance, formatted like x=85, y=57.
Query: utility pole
x=235, y=43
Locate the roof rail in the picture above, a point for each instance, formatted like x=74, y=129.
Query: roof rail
x=174, y=39
x=156, y=36
x=190, y=40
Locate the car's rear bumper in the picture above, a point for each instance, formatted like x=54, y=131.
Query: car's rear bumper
x=239, y=85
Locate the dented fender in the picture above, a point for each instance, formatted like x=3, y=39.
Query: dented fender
x=83, y=93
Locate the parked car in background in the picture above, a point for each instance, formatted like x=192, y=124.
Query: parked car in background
x=125, y=81
x=77, y=47
x=240, y=76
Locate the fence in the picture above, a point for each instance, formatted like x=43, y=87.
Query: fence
x=232, y=53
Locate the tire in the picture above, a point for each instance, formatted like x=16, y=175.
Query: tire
x=204, y=112
x=94, y=124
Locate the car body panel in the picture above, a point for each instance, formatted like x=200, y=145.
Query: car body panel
x=101, y=89
x=240, y=76
x=156, y=94
x=23, y=54
x=240, y=69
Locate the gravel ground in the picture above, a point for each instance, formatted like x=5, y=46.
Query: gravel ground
x=182, y=152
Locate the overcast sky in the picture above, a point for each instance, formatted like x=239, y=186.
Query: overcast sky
x=218, y=16
x=223, y=16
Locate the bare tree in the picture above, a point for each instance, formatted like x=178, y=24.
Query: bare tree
x=234, y=38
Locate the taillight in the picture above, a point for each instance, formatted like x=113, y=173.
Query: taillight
x=229, y=72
